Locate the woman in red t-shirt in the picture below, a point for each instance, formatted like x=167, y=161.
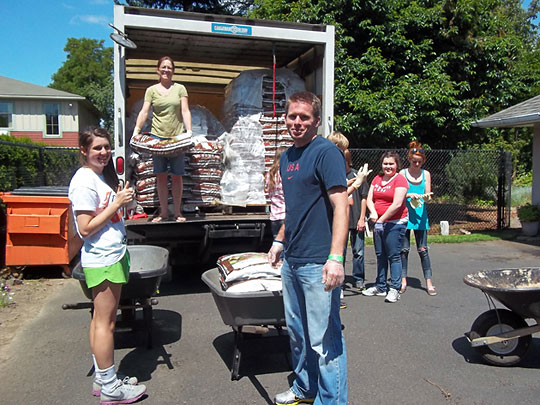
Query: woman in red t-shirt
x=388, y=216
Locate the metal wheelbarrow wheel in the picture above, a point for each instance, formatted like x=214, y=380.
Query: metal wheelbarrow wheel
x=508, y=352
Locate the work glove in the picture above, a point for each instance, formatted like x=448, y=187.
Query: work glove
x=361, y=176
x=419, y=201
x=274, y=254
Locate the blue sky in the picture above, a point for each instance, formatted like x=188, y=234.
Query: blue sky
x=35, y=32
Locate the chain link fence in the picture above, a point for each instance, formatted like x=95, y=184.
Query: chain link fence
x=471, y=188
x=29, y=165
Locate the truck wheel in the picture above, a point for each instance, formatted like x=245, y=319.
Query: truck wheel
x=509, y=352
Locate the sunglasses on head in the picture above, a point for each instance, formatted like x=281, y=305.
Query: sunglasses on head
x=416, y=150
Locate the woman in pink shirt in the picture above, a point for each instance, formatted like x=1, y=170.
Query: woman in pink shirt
x=389, y=217
x=275, y=192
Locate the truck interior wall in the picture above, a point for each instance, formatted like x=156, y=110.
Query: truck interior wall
x=212, y=99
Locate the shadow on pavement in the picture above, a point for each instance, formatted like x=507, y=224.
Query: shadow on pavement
x=143, y=361
x=259, y=354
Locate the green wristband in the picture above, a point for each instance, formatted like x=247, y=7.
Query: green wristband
x=337, y=258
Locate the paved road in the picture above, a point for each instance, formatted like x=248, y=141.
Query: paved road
x=393, y=349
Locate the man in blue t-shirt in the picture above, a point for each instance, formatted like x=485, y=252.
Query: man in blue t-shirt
x=314, y=236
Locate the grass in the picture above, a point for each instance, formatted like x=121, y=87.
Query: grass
x=507, y=234
x=521, y=195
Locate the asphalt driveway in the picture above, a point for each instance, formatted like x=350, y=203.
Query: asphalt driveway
x=411, y=352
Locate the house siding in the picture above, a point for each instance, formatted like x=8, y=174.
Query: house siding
x=68, y=139
x=28, y=120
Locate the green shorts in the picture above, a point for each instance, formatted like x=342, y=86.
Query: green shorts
x=117, y=273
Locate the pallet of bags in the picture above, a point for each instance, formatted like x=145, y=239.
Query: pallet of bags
x=204, y=161
x=251, y=271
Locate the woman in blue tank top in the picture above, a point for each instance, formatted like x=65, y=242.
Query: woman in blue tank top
x=419, y=191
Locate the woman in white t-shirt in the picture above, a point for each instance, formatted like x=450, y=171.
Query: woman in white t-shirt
x=97, y=200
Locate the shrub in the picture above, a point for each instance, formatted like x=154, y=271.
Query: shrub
x=24, y=163
x=472, y=176
x=529, y=213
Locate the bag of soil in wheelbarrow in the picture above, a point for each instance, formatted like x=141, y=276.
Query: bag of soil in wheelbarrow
x=240, y=267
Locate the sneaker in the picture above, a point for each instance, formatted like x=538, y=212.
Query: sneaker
x=123, y=394
x=371, y=291
x=96, y=385
x=342, y=304
x=359, y=285
x=289, y=398
x=392, y=296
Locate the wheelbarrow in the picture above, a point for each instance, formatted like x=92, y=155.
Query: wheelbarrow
x=148, y=265
x=501, y=336
x=248, y=313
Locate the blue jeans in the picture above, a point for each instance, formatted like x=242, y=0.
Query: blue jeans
x=357, y=247
x=388, y=250
x=421, y=247
x=319, y=358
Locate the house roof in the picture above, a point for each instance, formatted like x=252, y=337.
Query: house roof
x=11, y=88
x=524, y=114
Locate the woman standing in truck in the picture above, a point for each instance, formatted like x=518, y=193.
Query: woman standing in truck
x=97, y=201
x=170, y=117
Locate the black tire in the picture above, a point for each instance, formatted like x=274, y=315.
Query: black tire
x=507, y=353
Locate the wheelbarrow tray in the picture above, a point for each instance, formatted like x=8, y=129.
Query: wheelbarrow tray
x=148, y=265
x=245, y=308
x=518, y=288
x=242, y=310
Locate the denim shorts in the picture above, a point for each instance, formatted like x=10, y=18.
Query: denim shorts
x=162, y=164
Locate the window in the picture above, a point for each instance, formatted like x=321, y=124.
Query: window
x=6, y=110
x=51, y=119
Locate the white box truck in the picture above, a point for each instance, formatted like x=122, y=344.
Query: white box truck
x=209, y=52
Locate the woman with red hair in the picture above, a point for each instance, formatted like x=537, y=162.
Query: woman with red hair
x=419, y=191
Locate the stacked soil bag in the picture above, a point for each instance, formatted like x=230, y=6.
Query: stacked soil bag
x=201, y=183
x=145, y=181
x=252, y=95
x=243, y=272
x=250, y=119
x=204, y=171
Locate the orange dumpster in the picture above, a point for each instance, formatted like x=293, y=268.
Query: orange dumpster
x=39, y=229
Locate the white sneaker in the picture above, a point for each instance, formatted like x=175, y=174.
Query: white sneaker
x=96, y=385
x=122, y=393
x=289, y=398
x=371, y=291
x=392, y=296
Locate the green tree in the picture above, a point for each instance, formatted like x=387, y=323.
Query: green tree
x=87, y=71
x=238, y=7
x=422, y=69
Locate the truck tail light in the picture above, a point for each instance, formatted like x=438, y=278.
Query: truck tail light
x=120, y=165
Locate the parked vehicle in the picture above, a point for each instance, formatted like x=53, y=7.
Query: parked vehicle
x=209, y=52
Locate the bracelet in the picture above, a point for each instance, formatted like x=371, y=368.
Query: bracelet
x=278, y=241
x=337, y=258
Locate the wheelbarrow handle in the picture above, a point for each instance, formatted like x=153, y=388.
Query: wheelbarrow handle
x=78, y=305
